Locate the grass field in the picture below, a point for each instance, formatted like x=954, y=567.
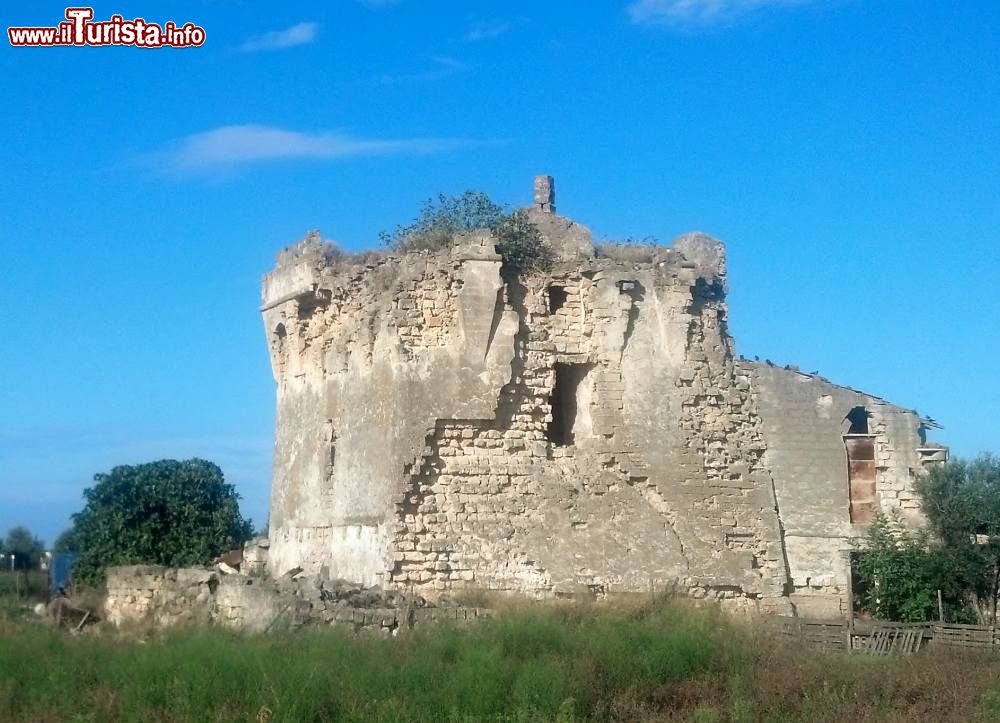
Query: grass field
x=18, y=592
x=624, y=663
x=31, y=584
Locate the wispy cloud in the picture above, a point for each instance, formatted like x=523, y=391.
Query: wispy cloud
x=442, y=66
x=298, y=34
x=700, y=13
x=231, y=147
x=487, y=30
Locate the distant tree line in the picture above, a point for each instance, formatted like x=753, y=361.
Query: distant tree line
x=20, y=550
x=901, y=571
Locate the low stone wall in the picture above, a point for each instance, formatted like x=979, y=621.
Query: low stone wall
x=164, y=597
x=159, y=595
x=251, y=604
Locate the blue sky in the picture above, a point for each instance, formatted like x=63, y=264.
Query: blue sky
x=847, y=151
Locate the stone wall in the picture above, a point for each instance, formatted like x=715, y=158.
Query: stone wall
x=661, y=485
x=251, y=604
x=442, y=425
x=366, y=371
x=163, y=597
x=803, y=429
x=159, y=595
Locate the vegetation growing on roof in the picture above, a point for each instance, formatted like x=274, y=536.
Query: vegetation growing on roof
x=441, y=220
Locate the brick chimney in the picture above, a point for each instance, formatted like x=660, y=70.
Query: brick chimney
x=545, y=194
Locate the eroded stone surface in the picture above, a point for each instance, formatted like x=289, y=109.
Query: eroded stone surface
x=586, y=429
x=163, y=597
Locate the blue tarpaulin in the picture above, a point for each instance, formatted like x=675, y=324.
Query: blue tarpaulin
x=60, y=572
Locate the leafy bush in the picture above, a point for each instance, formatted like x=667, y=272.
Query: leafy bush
x=959, y=553
x=962, y=502
x=900, y=572
x=521, y=245
x=519, y=242
x=165, y=512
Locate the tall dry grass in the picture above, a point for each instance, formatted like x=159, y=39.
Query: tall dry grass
x=649, y=662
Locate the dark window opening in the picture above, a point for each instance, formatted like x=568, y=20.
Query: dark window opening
x=280, y=336
x=563, y=402
x=309, y=304
x=557, y=298
x=856, y=421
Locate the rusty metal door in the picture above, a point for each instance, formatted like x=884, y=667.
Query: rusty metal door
x=861, y=474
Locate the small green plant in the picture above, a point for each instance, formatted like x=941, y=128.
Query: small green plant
x=566, y=712
x=521, y=245
x=989, y=704
x=705, y=714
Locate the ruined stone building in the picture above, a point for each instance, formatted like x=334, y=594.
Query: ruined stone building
x=589, y=428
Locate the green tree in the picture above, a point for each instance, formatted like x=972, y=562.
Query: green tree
x=26, y=548
x=519, y=242
x=166, y=512
x=900, y=571
x=962, y=502
x=66, y=541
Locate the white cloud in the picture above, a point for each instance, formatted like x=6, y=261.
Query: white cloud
x=443, y=66
x=487, y=30
x=229, y=147
x=693, y=13
x=298, y=34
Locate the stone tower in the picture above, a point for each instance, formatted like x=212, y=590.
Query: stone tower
x=583, y=429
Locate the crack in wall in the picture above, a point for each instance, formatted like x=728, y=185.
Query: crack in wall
x=498, y=309
x=655, y=500
x=636, y=294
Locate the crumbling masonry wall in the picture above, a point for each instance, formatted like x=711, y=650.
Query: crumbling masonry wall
x=803, y=422
x=159, y=595
x=662, y=484
x=367, y=359
x=164, y=597
x=442, y=424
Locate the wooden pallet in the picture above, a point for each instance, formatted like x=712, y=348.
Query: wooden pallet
x=829, y=635
x=825, y=634
x=953, y=635
x=895, y=639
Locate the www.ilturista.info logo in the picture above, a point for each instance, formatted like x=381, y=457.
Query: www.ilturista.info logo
x=80, y=29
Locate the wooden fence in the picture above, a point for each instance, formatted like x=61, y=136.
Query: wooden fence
x=886, y=638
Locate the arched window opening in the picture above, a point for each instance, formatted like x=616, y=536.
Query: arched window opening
x=860, y=465
x=856, y=421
